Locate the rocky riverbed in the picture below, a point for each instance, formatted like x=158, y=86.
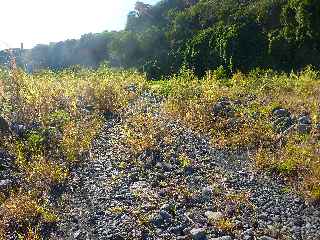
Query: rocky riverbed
x=213, y=194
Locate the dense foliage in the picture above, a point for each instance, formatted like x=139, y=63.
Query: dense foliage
x=201, y=34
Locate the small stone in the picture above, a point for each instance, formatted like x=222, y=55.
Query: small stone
x=4, y=126
x=5, y=183
x=266, y=238
x=213, y=216
x=198, y=234
x=165, y=215
x=77, y=233
x=206, y=193
x=304, y=120
x=222, y=238
x=281, y=112
x=304, y=128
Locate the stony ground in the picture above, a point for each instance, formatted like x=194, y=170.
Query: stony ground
x=116, y=195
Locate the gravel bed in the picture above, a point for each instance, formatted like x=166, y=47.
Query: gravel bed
x=116, y=195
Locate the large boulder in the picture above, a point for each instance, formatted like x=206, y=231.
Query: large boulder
x=280, y=113
x=304, y=124
x=282, y=120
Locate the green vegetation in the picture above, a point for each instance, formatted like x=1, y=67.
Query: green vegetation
x=241, y=72
x=247, y=120
x=53, y=124
x=200, y=34
x=62, y=112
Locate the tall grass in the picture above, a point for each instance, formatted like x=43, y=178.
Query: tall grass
x=252, y=98
x=54, y=117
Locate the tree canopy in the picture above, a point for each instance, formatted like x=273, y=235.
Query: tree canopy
x=200, y=34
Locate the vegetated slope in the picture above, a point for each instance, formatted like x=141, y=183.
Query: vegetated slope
x=235, y=158
x=201, y=34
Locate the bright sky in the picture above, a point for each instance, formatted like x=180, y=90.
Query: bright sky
x=44, y=21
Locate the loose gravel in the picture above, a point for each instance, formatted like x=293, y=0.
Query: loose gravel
x=218, y=195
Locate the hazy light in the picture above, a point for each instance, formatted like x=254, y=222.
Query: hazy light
x=44, y=21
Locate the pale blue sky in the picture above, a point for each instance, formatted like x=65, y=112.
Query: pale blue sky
x=44, y=21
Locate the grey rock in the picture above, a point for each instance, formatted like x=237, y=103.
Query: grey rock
x=178, y=230
x=247, y=237
x=4, y=184
x=222, y=238
x=165, y=215
x=198, y=234
x=150, y=157
x=266, y=238
x=18, y=129
x=157, y=221
x=282, y=124
x=167, y=167
x=304, y=128
x=89, y=108
x=207, y=192
x=281, y=112
x=169, y=207
x=248, y=232
x=213, y=216
x=223, y=109
x=77, y=233
x=132, y=87
x=226, y=238
x=282, y=120
x=4, y=126
x=304, y=120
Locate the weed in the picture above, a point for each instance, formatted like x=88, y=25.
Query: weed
x=225, y=225
x=144, y=132
x=253, y=97
x=52, y=108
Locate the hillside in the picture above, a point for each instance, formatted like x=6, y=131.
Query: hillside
x=199, y=34
x=105, y=154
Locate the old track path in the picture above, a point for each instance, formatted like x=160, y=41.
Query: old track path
x=217, y=196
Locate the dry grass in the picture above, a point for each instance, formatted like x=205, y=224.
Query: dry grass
x=62, y=112
x=21, y=211
x=145, y=132
x=252, y=98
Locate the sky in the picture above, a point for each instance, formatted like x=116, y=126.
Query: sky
x=44, y=21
